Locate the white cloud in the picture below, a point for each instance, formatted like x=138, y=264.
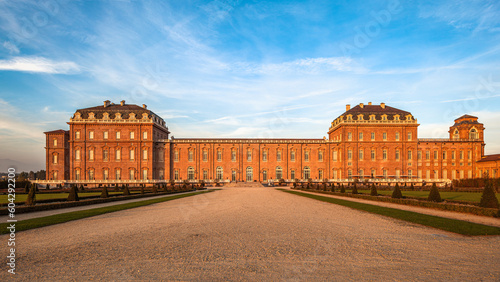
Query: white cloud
x=11, y=47
x=38, y=65
x=307, y=65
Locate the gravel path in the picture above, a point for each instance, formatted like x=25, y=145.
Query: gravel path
x=250, y=234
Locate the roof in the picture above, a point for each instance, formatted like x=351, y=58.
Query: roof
x=466, y=119
x=59, y=131
x=376, y=110
x=490, y=158
x=466, y=116
x=112, y=109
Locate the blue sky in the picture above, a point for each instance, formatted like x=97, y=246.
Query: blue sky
x=230, y=68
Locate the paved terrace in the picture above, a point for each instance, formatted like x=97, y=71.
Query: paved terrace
x=250, y=233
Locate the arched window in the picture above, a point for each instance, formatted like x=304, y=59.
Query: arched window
x=105, y=174
x=264, y=175
x=307, y=172
x=456, y=135
x=190, y=173
x=249, y=174
x=131, y=174
x=473, y=134
x=279, y=172
x=219, y=173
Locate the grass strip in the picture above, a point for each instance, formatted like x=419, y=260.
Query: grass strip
x=447, y=224
x=65, y=217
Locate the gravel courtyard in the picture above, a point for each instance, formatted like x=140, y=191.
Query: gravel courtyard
x=242, y=233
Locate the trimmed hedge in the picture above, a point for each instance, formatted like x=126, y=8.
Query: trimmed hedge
x=421, y=203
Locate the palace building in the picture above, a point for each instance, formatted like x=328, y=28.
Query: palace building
x=130, y=143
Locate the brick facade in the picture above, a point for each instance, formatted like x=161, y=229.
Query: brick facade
x=129, y=142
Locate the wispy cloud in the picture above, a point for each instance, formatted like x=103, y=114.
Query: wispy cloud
x=38, y=65
x=11, y=47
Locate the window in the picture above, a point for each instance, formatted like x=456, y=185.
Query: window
x=205, y=174
x=435, y=155
x=219, y=173
x=292, y=156
x=190, y=173
x=292, y=174
x=384, y=154
x=77, y=174
x=385, y=173
x=279, y=172
x=384, y=136
x=105, y=154
x=91, y=154
x=264, y=156
x=145, y=135
x=361, y=154
x=118, y=154
x=118, y=135
x=91, y=174
x=320, y=155
x=361, y=136
x=361, y=173
x=249, y=155
x=320, y=174
x=54, y=159
x=205, y=155
x=397, y=155
x=105, y=135
x=233, y=155
x=349, y=154
x=335, y=155
x=453, y=155
x=456, y=134
x=278, y=156
x=373, y=136
x=373, y=155
x=132, y=135
x=469, y=154
x=144, y=154
x=77, y=154
x=161, y=174
x=473, y=134
x=306, y=156
x=77, y=135
x=105, y=174
x=461, y=155
x=307, y=172
x=190, y=155
x=397, y=136
x=219, y=155
x=444, y=155
x=349, y=136
x=132, y=154
x=176, y=155
x=409, y=155
x=349, y=173
x=410, y=173
x=374, y=173
x=91, y=135
x=249, y=174
x=409, y=136
x=55, y=142
x=233, y=175
x=176, y=174
x=427, y=155
x=144, y=174
x=419, y=155
x=118, y=173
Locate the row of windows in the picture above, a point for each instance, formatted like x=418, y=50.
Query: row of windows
x=372, y=136
x=219, y=174
x=373, y=155
x=118, y=155
x=248, y=156
x=117, y=174
x=105, y=135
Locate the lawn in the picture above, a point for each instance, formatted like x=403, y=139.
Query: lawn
x=456, y=196
x=21, y=198
x=452, y=225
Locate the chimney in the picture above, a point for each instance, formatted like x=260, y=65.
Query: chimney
x=347, y=107
x=144, y=106
x=382, y=105
x=361, y=105
x=106, y=103
x=122, y=102
x=370, y=103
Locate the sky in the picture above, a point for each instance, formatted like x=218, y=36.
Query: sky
x=234, y=68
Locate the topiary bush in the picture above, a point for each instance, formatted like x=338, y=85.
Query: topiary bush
x=104, y=193
x=73, y=194
x=434, y=195
x=154, y=190
x=489, y=199
x=373, y=190
x=354, y=189
x=31, y=199
x=81, y=187
x=27, y=187
x=142, y=188
x=117, y=189
x=126, y=191
x=46, y=187
x=396, y=194
x=342, y=189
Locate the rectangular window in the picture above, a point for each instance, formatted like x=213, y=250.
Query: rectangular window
x=384, y=154
x=384, y=136
x=419, y=155
x=91, y=135
x=132, y=154
x=132, y=135
x=77, y=135
x=461, y=155
x=205, y=174
x=409, y=136
x=349, y=154
x=145, y=135
x=349, y=136
x=409, y=155
x=361, y=136
x=306, y=156
x=219, y=155
x=397, y=155
x=335, y=155
x=118, y=135
x=435, y=155
x=249, y=155
x=410, y=173
x=278, y=156
x=444, y=155
x=118, y=175
x=373, y=136
x=292, y=174
x=118, y=154
x=145, y=154
x=453, y=155
x=77, y=155
x=176, y=175
x=91, y=155
x=373, y=155
x=105, y=155
x=427, y=155
x=54, y=159
x=144, y=174
x=131, y=174
x=205, y=155
x=176, y=155
x=320, y=156
x=77, y=174
x=105, y=174
x=190, y=156
x=264, y=156
x=292, y=156
x=105, y=135
x=233, y=155
x=397, y=136
x=361, y=154
x=469, y=155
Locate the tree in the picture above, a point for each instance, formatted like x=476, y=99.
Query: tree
x=117, y=189
x=373, y=190
x=342, y=189
x=396, y=194
x=126, y=192
x=488, y=199
x=73, y=194
x=31, y=175
x=47, y=187
x=27, y=187
x=354, y=188
x=434, y=195
x=31, y=199
x=104, y=193
x=142, y=189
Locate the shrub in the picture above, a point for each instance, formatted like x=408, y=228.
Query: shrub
x=117, y=189
x=126, y=191
x=81, y=187
x=412, y=187
x=73, y=194
x=142, y=188
x=104, y=193
x=396, y=194
x=46, y=187
x=31, y=199
x=373, y=190
x=342, y=189
x=332, y=187
x=434, y=195
x=354, y=188
x=27, y=187
x=294, y=185
x=488, y=199
x=154, y=190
